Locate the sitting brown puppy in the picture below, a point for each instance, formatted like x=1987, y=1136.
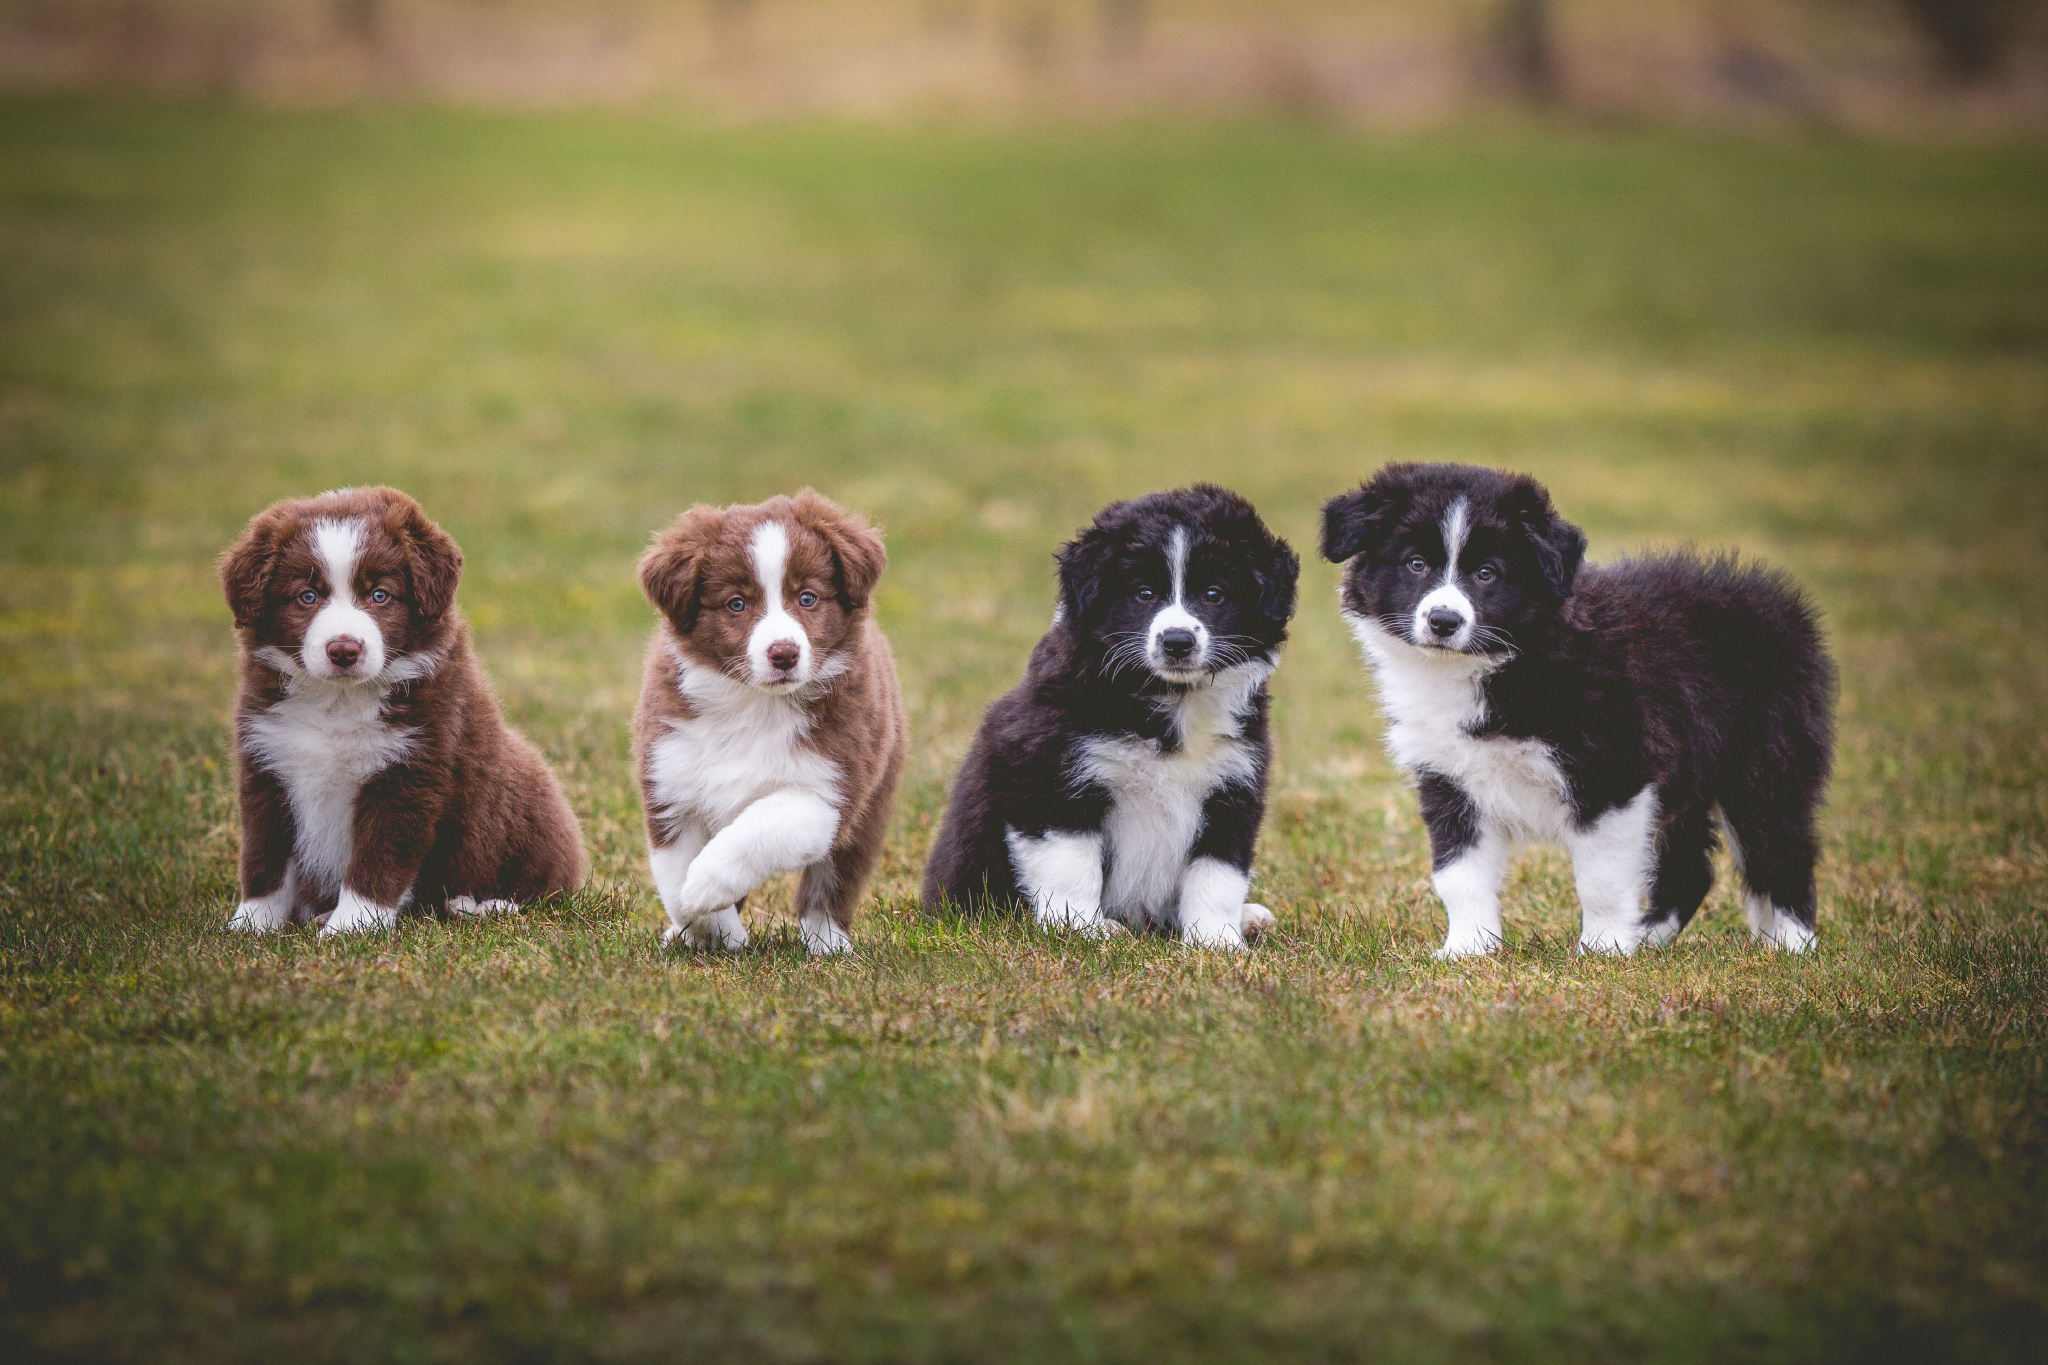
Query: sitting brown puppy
x=375, y=769
x=769, y=734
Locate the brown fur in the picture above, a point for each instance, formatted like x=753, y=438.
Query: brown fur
x=470, y=809
x=855, y=720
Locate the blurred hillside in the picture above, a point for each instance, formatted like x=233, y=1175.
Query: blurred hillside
x=1858, y=63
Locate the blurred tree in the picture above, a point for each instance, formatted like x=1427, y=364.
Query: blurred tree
x=1523, y=47
x=1967, y=40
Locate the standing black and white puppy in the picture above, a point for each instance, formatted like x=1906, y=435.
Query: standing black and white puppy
x=1614, y=709
x=1125, y=777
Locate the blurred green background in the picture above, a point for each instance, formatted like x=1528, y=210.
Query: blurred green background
x=542, y=1138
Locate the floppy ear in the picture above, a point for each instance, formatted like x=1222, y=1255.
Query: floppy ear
x=246, y=567
x=1276, y=579
x=1080, y=561
x=857, y=549
x=671, y=571
x=433, y=561
x=1354, y=521
x=1559, y=545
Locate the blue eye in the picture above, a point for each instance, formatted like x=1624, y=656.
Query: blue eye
x=309, y=597
x=380, y=597
x=807, y=599
x=737, y=604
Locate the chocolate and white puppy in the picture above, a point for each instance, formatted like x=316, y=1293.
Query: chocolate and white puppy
x=769, y=735
x=1125, y=777
x=375, y=770
x=1614, y=709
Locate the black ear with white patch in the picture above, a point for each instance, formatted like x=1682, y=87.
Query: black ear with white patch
x=1355, y=521
x=1560, y=546
x=1277, y=574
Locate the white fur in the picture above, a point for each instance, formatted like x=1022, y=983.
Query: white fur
x=1432, y=698
x=1062, y=873
x=754, y=798
x=1776, y=928
x=1175, y=616
x=822, y=935
x=265, y=914
x=337, y=545
x=769, y=549
x=1156, y=795
x=1212, y=908
x=357, y=914
x=1447, y=593
x=323, y=741
x=469, y=907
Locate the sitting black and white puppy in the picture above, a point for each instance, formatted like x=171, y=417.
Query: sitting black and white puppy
x=1612, y=708
x=1125, y=777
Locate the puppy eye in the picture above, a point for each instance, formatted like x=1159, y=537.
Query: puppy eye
x=737, y=604
x=1485, y=574
x=1146, y=594
x=1417, y=564
x=309, y=597
x=1213, y=595
x=380, y=596
x=807, y=599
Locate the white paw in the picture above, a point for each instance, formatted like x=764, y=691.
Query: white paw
x=1257, y=920
x=823, y=935
x=1610, y=942
x=1775, y=928
x=262, y=915
x=1069, y=920
x=353, y=914
x=1467, y=945
x=719, y=931
x=1213, y=934
x=470, y=908
x=710, y=886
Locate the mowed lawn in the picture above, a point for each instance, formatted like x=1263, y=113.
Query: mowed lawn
x=543, y=1138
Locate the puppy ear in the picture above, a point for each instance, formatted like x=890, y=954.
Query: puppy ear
x=672, y=570
x=857, y=549
x=433, y=560
x=1080, y=561
x=1354, y=521
x=1276, y=579
x=246, y=567
x=1560, y=546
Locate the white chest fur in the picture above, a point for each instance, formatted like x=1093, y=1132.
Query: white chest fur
x=1430, y=699
x=739, y=745
x=323, y=742
x=1156, y=796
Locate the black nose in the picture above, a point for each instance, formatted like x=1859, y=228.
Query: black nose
x=1177, y=643
x=1444, y=623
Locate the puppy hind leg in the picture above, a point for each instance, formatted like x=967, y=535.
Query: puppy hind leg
x=1777, y=851
x=1684, y=875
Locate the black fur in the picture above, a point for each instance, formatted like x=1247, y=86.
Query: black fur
x=1084, y=681
x=1704, y=677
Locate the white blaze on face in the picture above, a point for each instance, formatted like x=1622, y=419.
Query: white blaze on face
x=1447, y=595
x=1175, y=616
x=770, y=551
x=337, y=545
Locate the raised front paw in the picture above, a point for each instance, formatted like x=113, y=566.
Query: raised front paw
x=354, y=914
x=719, y=931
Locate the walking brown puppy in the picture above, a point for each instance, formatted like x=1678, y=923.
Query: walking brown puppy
x=769, y=735
x=375, y=770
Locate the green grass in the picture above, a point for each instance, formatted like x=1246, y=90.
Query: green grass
x=542, y=1138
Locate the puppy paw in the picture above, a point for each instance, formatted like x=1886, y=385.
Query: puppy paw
x=261, y=915
x=1212, y=934
x=354, y=914
x=469, y=907
x=1257, y=920
x=1466, y=945
x=719, y=931
x=822, y=935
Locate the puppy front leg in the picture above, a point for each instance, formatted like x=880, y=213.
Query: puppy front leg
x=1612, y=860
x=1061, y=871
x=670, y=863
x=397, y=813
x=1469, y=859
x=269, y=883
x=781, y=832
x=1212, y=905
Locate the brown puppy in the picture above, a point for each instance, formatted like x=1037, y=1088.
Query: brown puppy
x=375, y=770
x=769, y=734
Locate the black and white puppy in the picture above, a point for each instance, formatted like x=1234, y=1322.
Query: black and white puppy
x=1612, y=708
x=1125, y=777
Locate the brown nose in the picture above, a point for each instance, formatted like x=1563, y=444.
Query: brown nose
x=344, y=650
x=784, y=654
